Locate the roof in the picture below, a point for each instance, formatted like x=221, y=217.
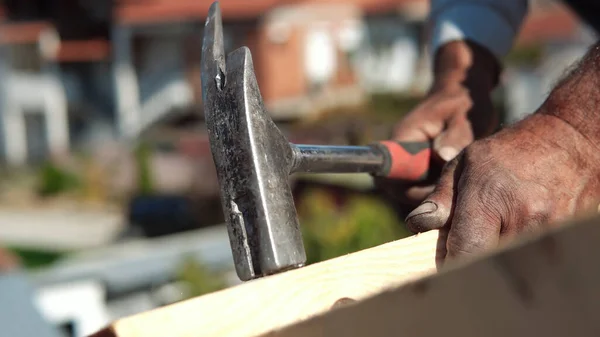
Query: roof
x=147, y=11
x=152, y=11
x=83, y=51
x=68, y=50
x=22, y=32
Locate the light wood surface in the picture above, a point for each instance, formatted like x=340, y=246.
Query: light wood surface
x=262, y=305
x=548, y=285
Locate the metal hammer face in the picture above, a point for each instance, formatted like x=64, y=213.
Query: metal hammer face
x=253, y=161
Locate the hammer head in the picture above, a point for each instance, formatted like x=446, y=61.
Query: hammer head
x=252, y=159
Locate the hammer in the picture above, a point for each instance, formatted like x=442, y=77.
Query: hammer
x=253, y=160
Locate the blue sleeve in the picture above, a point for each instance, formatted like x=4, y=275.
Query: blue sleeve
x=493, y=24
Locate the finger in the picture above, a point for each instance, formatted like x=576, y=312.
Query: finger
x=454, y=139
x=474, y=228
x=429, y=119
x=435, y=211
x=447, y=104
x=420, y=131
x=475, y=223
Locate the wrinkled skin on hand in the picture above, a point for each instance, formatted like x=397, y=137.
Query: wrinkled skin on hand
x=522, y=179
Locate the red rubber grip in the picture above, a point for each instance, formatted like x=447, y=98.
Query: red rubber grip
x=408, y=160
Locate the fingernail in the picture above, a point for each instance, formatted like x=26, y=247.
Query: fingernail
x=447, y=153
x=426, y=207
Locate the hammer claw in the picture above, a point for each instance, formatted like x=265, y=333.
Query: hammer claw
x=213, y=53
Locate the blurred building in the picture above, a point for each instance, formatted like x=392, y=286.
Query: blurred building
x=55, y=57
x=77, y=73
x=552, y=39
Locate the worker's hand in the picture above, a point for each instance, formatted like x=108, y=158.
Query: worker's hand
x=523, y=178
x=457, y=110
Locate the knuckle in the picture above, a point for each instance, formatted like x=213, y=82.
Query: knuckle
x=480, y=150
x=500, y=193
x=536, y=207
x=481, y=162
x=472, y=153
x=496, y=184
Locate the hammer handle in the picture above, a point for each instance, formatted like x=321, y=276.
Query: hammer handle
x=336, y=159
x=408, y=161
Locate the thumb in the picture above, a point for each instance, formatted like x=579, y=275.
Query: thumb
x=434, y=212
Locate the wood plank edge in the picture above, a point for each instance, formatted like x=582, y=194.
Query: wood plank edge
x=509, y=265
x=416, y=254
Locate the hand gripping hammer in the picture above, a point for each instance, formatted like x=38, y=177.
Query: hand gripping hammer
x=253, y=160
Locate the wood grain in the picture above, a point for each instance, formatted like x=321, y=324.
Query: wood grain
x=262, y=305
x=546, y=285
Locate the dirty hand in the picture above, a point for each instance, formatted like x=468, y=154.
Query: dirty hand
x=522, y=179
x=457, y=110
x=526, y=177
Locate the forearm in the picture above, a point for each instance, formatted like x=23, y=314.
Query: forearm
x=492, y=24
x=576, y=98
x=468, y=40
x=465, y=63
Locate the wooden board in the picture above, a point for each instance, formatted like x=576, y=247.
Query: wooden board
x=548, y=285
x=259, y=306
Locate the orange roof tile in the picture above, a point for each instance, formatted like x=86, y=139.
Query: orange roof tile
x=150, y=11
x=83, y=51
x=168, y=10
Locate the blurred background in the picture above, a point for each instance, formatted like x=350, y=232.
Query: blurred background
x=108, y=193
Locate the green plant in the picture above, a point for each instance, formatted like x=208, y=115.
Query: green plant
x=392, y=106
x=331, y=230
x=200, y=279
x=529, y=55
x=36, y=258
x=53, y=180
x=142, y=156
